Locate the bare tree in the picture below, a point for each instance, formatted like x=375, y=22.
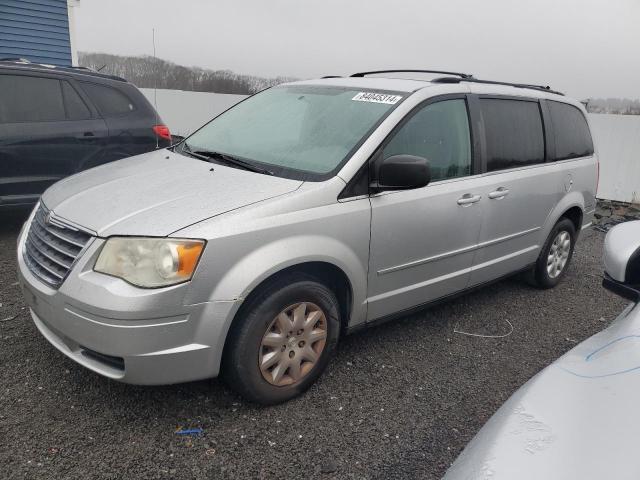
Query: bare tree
x=149, y=72
x=621, y=106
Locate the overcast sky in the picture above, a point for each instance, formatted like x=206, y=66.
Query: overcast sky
x=587, y=48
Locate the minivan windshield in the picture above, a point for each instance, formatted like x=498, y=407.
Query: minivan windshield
x=297, y=131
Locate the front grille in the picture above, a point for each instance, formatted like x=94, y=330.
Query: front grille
x=52, y=247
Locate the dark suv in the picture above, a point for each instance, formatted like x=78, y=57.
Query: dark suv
x=57, y=121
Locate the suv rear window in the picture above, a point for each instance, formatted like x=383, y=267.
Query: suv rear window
x=514, y=133
x=108, y=100
x=30, y=99
x=572, y=135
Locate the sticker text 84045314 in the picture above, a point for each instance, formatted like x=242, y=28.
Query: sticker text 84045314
x=377, y=98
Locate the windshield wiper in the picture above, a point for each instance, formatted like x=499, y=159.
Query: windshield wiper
x=186, y=149
x=208, y=155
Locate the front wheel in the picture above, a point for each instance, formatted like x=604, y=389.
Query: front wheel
x=555, y=256
x=284, y=340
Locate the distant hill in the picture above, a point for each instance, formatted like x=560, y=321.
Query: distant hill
x=621, y=106
x=150, y=72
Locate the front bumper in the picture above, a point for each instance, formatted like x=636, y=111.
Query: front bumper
x=139, y=336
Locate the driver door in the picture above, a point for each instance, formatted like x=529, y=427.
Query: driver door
x=423, y=240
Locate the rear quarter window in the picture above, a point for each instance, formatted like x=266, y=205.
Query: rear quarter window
x=110, y=101
x=572, y=135
x=514, y=133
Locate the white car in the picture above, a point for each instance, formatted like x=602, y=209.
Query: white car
x=579, y=417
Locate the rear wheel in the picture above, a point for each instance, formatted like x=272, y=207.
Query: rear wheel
x=284, y=340
x=556, y=255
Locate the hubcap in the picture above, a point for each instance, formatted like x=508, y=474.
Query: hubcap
x=558, y=254
x=293, y=344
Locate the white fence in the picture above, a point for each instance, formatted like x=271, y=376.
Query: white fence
x=617, y=137
x=184, y=112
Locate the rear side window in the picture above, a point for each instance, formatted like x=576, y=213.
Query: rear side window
x=108, y=100
x=572, y=135
x=514, y=133
x=30, y=99
x=76, y=108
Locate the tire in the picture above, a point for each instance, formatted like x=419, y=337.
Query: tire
x=273, y=317
x=546, y=274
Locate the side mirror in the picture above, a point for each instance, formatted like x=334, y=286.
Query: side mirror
x=622, y=260
x=403, y=172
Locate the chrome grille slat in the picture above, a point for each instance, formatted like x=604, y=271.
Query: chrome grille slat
x=50, y=250
x=40, y=273
x=41, y=234
x=32, y=241
x=52, y=231
x=43, y=263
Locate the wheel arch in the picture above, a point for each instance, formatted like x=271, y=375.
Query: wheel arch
x=571, y=206
x=333, y=262
x=575, y=214
x=330, y=275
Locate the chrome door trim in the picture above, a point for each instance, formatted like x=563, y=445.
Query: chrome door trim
x=452, y=253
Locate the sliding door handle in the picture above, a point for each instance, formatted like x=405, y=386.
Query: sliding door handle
x=499, y=193
x=468, y=199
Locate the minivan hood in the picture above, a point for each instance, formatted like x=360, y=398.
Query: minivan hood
x=157, y=193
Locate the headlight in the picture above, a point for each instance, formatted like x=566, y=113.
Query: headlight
x=150, y=262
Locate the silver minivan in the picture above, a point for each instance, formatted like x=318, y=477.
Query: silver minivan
x=305, y=212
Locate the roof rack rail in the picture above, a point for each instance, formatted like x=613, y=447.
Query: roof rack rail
x=85, y=70
x=440, y=72
x=544, y=88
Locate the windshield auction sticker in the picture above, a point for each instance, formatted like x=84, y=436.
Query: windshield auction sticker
x=377, y=98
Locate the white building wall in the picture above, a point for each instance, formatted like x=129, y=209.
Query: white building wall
x=617, y=137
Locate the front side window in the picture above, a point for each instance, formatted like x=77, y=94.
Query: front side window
x=572, y=135
x=30, y=99
x=513, y=131
x=296, y=131
x=438, y=132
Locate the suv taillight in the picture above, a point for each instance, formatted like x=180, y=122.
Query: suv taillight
x=162, y=131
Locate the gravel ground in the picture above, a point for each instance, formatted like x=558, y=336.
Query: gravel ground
x=399, y=401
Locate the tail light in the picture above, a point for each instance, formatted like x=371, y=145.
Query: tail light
x=162, y=131
x=597, y=176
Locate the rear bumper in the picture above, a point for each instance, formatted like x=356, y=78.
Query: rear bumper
x=145, y=337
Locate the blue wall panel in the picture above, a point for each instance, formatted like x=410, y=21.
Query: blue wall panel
x=37, y=30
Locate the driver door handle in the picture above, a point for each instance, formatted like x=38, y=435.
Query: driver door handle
x=468, y=199
x=499, y=193
x=86, y=136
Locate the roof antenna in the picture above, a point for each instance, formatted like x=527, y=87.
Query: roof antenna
x=155, y=87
